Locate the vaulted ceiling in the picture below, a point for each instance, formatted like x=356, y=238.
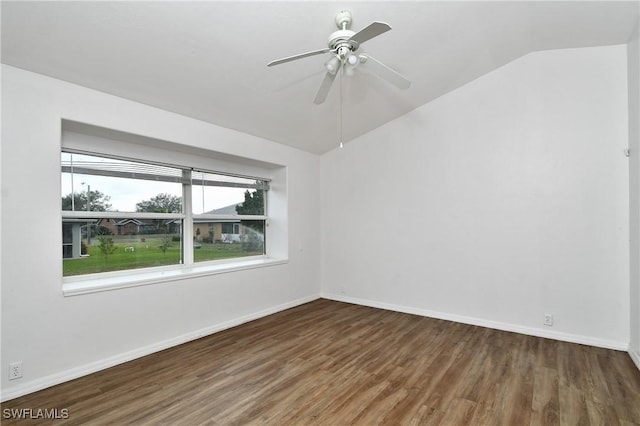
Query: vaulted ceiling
x=207, y=60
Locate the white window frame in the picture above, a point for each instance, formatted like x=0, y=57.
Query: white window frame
x=103, y=281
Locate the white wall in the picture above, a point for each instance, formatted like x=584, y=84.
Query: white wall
x=494, y=204
x=58, y=338
x=633, y=61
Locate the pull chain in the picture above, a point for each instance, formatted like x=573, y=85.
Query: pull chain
x=341, y=73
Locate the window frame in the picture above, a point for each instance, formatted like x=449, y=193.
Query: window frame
x=101, y=281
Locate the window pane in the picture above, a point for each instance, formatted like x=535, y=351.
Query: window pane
x=92, y=183
x=103, y=245
x=223, y=239
x=227, y=195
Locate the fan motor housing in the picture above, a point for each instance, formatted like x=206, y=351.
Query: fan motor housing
x=341, y=39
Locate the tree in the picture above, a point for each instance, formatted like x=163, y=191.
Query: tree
x=102, y=230
x=99, y=201
x=161, y=203
x=253, y=203
x=106, y=246
x=165, y=243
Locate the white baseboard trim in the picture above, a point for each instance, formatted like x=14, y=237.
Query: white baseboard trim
x=635, y=356
x=565, y=337
x=74, y=373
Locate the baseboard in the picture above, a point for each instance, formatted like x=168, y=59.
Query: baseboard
x=635, y=356
x=74, y=373
x=565, y=337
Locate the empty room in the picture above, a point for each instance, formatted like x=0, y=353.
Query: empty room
x=295, y=212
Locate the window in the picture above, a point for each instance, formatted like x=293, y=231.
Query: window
x=232, y=210
x=230, y=228
x=122, y=214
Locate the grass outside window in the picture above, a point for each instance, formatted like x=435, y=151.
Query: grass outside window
x=133, y=252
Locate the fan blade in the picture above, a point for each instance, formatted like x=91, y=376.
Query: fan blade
x=385, y=72
x=299, y=56
x=373, y=30
x=323, y=91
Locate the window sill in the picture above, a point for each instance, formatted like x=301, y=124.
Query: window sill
x=74, y=286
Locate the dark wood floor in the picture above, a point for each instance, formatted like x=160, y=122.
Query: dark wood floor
x=334, y=363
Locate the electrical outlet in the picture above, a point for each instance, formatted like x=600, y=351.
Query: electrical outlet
x=15, y=370
x=548, y=319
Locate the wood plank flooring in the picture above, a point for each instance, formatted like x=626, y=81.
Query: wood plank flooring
x=333, y=363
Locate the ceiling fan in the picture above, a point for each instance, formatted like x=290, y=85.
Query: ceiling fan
x=343, y=45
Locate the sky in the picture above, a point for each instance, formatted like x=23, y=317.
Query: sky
x=125, y=193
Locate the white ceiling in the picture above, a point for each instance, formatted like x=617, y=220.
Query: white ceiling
x=207, y=60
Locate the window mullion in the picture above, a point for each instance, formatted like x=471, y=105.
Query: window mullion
x=187, y=226
x=231, y=217
x=68, y=214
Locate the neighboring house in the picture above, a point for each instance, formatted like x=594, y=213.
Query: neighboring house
x=219, y=230
x=72, y=236
x=110, y=224
x=136, y=226
x=204, y=230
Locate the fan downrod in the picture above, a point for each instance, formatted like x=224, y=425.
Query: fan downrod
x=343, y=19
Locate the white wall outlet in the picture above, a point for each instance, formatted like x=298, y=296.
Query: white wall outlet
x=15, y=370
x=548, y=319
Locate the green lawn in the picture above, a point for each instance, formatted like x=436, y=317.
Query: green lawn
x=145, y=254
x=221, y=251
